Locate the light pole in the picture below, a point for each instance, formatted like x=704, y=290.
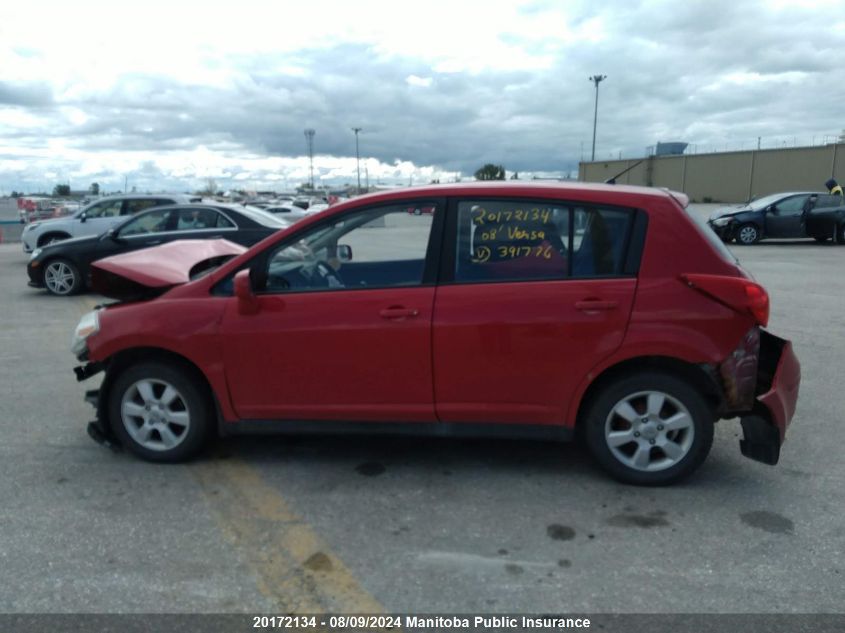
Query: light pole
x=309, y=138
x=596, y=79
x=357, y=156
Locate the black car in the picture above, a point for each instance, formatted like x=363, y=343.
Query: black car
x=63, y=268
x=783, y=215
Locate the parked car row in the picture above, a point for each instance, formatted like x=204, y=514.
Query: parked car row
x=63, y=266
x=793, y=214
x=507, y=309
x=95, y=218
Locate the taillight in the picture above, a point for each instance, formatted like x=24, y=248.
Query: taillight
x=743, y=295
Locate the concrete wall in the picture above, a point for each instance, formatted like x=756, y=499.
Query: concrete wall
x=729, y=176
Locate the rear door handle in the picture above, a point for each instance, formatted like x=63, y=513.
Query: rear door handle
x=588, y=305
x=398, y=312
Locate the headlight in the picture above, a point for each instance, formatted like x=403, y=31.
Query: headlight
x=89, y=324
x=33, y=225
x=36, y=253
x=722, y=221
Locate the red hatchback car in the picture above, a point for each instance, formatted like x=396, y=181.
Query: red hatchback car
x=526, y=310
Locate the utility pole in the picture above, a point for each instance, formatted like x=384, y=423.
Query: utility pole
x=596, y=79
x=357, y=156
x=309, y=138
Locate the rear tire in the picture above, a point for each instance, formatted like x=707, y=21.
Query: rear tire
x=160, y=412
x=62, y=277
x=649, y=429
x=820, y=239
x=748, y=234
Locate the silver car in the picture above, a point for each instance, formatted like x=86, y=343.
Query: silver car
x=95, y=218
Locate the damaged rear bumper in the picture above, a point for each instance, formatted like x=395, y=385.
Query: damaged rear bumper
x=767, y=407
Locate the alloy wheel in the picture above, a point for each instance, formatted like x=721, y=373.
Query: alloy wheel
x=649, y=431
x=59, y=278
x=155, y=414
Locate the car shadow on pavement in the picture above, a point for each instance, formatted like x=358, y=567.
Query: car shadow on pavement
x=374, y=455
x=415, y=452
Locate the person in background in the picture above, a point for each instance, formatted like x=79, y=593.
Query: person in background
x=833, y=187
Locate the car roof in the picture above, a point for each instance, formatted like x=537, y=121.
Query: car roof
x=563, y=190
x=147, y=196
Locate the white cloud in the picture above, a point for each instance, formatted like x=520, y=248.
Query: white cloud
x=190, y=90
x=423, y=82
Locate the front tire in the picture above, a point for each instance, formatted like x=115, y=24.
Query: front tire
x=62, y=277
x=159, y=412
x=748, y=234
x=649, y=429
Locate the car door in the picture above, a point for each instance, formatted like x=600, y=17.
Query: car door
x=338, y=340
x=786, y=217
x=533, y=295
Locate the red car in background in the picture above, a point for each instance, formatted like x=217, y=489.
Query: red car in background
x=518, y=309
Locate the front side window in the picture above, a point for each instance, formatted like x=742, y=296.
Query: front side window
x=150, y=222
x=791, y=206
x=107, y=209
x=520, y=240
x=374, y=248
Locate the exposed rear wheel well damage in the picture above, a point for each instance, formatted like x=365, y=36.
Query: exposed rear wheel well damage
x=696, y=376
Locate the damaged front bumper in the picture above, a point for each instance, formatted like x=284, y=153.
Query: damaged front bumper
x=98, y=430
x=726, y=232
x=761, y=380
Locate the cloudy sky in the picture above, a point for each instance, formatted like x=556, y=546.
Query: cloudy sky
x=165, y=95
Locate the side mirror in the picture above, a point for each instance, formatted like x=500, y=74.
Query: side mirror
x=83, y=216
x=112, y=233
x=247, y=302
x=344, y=253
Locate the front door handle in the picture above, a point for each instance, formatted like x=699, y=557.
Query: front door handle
x=398, y=312
x=589, y=305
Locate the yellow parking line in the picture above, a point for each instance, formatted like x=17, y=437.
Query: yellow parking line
x=293, y=566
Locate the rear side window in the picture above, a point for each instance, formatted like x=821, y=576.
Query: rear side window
x=513, y=240
x=136, y=206
x=107, y=209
